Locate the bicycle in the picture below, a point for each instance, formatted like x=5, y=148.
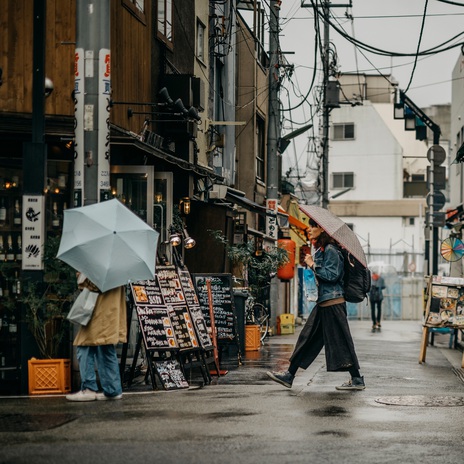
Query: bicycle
x=258, y=314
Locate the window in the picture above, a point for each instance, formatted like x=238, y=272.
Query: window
x=201, y=40
x=260, y=140
x=343, y=131
x=409, y=221
x=136, y=7
x=342, y=180
x=165, y=20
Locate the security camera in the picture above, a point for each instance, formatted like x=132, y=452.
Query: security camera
x=48, y=87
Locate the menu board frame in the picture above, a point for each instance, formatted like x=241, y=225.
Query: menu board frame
x=224, y=311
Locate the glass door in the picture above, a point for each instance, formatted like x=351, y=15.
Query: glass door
x=148, y=194
x=133, y=186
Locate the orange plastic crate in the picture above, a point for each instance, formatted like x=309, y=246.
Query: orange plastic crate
x=49, y=376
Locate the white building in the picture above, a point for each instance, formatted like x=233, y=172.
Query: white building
x=385, y=166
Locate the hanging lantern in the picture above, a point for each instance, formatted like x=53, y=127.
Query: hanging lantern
x=287, y=271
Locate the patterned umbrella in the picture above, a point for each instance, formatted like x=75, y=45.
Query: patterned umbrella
x=452, y=249
x=337, y=229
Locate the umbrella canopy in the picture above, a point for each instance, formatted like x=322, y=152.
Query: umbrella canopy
x=109, y=244
x=337, y=229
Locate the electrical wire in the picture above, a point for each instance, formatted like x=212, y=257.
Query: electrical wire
x=418, y=45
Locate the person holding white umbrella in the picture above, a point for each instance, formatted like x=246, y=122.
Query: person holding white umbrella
x=96, y=342
x=111, y=246
x=327, y=325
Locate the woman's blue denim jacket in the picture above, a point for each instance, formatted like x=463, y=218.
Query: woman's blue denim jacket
x=329, y=271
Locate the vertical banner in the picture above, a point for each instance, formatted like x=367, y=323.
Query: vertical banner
x=104, y=94
x=271, y=221
x=79, y=84
x=33, y=233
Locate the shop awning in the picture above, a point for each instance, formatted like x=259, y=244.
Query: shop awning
x=132, y=139
x=247, y=204
x=293, y=220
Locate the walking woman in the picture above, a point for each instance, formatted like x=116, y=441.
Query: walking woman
x=327, y=325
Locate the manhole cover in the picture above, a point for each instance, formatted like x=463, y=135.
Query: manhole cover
x=422, y=400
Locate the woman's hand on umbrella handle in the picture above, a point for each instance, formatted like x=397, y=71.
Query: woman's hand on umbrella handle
x=309, y=260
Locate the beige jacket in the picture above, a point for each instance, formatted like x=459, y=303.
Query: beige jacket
x=108, y=325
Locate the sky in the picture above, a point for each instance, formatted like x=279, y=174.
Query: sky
x=390, y=25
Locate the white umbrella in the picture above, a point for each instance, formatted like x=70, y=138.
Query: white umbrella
x=109, y=244
x=337, y=229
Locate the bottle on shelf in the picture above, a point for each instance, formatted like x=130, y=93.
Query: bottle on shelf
x=2, y=250
x=16, y=285
x=10, y=255
x=17, y=214
x=55, y=217
x=19, y=250
x=13, y=327
x=5, y=287
x=2, y=211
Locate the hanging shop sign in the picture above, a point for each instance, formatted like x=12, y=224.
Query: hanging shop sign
x=33, y=232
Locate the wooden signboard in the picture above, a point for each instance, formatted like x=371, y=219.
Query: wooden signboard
x=170, y=374
x=444, y=308
x=193, y=304
x=223, y=303
x=157, y=328
x=163, y=315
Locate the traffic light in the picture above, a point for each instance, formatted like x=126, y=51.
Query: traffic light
x=436, y=181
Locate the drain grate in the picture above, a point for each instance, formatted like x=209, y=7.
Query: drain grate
x=33, y=422
x=422, y=400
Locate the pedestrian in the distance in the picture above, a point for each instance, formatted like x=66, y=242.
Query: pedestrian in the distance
x=327, y=325
x=96, y=342
x=375, y=298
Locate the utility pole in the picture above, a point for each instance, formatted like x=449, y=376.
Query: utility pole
x=326, y=5
x=273, y=131
x=92, y=92
x=326, y=111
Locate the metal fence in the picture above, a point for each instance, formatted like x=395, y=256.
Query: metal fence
x=403, y=300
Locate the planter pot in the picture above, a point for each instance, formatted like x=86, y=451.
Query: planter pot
x=252, y=337
x=49, y=376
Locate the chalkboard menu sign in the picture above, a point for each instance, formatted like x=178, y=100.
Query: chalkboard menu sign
x=223, y=306
x=157, y=329
x=193, y=304
x=163, y=315
x=171, y=375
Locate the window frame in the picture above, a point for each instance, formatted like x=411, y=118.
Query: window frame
x=343, y=125
x=343, y=176
x=168, y=14
x=200, y=27
x=260, y=148
x=131, y=6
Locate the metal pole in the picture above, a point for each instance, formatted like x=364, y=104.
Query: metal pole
x=273, y=131
x=326, y=114
x=34, y=171
x=92, y=131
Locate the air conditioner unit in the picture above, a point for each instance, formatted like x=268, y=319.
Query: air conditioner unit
x=218, y=192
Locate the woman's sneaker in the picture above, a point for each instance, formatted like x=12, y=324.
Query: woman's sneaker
x=102, y=397
x=356, y=383
x=83, y=395
x=284, y=378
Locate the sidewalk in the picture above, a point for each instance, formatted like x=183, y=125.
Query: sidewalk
x=409, y=412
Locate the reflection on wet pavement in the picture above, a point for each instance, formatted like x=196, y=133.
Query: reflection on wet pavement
x=254, y=364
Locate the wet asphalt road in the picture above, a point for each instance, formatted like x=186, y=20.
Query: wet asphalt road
x=245, y=418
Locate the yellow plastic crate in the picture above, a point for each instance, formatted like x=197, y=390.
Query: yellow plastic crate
x=285, y=324
x=287, y=319
x=287, y=329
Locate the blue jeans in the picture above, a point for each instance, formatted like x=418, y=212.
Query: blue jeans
x=108, y=368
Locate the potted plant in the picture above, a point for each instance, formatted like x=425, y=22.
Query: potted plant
x=256, y=268
x=47, y=304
